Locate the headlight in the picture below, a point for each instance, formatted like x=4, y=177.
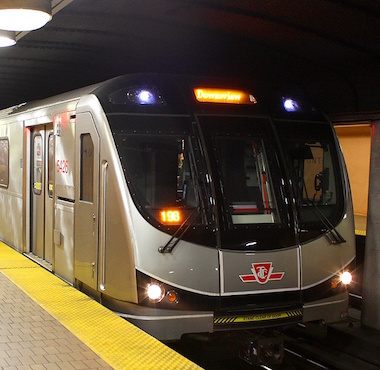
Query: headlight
x=346, y=277
x=155, y=292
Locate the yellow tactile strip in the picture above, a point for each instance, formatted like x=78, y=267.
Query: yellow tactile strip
x=121, y=344
x=360, y=232
x=32, y=339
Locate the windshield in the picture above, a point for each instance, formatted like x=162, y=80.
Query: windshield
x=162, y=167
x=249, y=181
x=159, y=167
x=222, y=178
x=316, y=172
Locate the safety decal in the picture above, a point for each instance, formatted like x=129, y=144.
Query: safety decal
x=262, y=272
x=258, y=317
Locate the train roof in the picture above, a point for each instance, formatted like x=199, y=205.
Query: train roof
x=46, y=102
x=178, y=89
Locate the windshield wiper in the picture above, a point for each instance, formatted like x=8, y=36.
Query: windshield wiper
x=179, y=234
x=333, y=234
x=200, y=210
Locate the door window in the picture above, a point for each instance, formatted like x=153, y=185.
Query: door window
x=86, y=168
x=246, y=181
x=50, y=164
x=4, y=162
x=37, y=164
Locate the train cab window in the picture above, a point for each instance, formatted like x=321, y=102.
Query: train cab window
x=316, y=173
x=37, y=164
x=160, y=172
x=86, y=168
x=247, y=186
x=316, y=179
x=4, y=162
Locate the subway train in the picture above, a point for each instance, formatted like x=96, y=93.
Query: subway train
x=187, y=205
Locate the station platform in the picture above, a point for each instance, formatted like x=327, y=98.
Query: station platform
x=46, y=324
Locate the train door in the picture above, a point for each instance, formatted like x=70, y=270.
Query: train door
x=86, y=206
x=42, y=205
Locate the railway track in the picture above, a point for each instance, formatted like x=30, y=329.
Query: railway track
x=341, y=347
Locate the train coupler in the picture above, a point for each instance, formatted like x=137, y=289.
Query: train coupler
x=264, y=348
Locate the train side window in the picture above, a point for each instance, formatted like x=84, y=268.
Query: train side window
x=37, y=164
x=50, y=164
x=86, y=167
x=4, y=162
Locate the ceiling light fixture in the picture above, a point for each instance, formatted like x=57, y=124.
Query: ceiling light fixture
x=24, y=15
x=7, y=38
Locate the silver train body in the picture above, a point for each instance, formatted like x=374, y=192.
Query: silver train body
x=232, y=210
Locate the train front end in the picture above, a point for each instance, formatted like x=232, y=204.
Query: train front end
x=238, y=215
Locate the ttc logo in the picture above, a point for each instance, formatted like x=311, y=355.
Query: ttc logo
x=261, y=273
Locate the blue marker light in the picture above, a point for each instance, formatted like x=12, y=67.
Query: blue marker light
x=290, y=105
x=145, y=97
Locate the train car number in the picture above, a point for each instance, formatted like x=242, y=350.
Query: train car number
x=62, y=165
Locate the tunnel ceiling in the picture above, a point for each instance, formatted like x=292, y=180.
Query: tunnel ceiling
x=328, y=49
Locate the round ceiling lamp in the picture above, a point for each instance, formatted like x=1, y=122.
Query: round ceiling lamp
x=7, y=38
x=24, y=15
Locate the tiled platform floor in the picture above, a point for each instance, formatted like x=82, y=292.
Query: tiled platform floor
x=31, y=339
x=45, y=322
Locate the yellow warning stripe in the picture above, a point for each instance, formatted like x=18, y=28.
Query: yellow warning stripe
x=360, y=232
x=118, y=342
x=257, y=317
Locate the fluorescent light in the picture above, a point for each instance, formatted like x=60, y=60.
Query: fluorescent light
x=7, y=38
x=24, y=15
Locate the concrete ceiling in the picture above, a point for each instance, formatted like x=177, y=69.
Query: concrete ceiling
x=330, y=49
